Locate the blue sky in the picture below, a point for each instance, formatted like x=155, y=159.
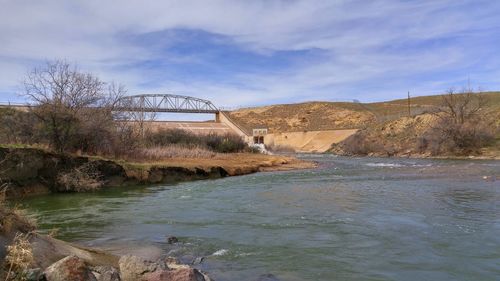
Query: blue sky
x=246, y=53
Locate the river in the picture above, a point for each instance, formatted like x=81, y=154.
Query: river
x=348, y=219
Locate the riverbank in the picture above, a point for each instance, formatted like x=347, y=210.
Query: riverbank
x=34, y=171
x=29, y=255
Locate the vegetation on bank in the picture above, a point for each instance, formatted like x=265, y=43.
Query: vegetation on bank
x=462, y=124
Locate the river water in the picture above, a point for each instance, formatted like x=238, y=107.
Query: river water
x=349, y=219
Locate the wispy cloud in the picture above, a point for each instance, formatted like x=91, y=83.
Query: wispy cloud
x=257, y=52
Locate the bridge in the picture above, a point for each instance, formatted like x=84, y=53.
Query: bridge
x=153, y=103
x=169, y=103
x=165, y=103
x=140, y=105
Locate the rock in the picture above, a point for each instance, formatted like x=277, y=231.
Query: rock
x=171, y=261
x=181, y=274
x=47, y=250
x=133, y=268
x=34, y=274
x=187, y=259
x=106, y=273
x=172, y=240
x=267, y=277
x=69, y=268
x=489, y=178
x=198, y=260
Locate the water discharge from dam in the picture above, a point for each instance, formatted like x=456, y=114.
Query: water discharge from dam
x=349, y=219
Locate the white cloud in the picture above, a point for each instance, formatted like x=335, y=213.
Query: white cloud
x=427, y=36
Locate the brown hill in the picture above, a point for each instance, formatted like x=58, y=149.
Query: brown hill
x=309, y=116
x=315, y=116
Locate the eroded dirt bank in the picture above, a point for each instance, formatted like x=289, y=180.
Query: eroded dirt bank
x=31, y=171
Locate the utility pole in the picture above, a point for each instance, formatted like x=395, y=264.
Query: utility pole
x=409, y=109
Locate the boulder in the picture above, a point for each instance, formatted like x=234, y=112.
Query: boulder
x=106, y=273
x=48, y=250
x=180, y=274
x=133, y=268
x=34, y=274
x=267, y=277
x=172, y=240
x=198, y=260
x=69, y=268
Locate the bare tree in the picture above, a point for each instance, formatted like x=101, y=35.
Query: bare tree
x=70, y=103
x=461, y=127
x=461, y=107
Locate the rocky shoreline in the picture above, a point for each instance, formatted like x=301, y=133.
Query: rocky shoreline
x=56, y=260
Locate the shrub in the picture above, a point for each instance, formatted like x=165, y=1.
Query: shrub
x=226, y=143
x=165, y=137
x=461, y=128
x=170, y=151
x=80, y=179
x=448, y=137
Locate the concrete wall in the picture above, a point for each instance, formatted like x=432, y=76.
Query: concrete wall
x=224, y=119
x=202, y=128
x=310, y=141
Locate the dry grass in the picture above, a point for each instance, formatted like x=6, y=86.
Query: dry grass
x=3, y=191
x=171, y=151
x=15, y=219
x=19, y=257
x=309, y=116
x=20, y=253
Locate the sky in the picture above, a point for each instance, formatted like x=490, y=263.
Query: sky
x=249, y=53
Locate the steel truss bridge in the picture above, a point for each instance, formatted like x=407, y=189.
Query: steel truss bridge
x=165, y=103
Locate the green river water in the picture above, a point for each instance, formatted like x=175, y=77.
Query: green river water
x=348, y=219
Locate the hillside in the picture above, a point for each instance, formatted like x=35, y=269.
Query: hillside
x=316, y=116
x=309, y=116
x=416, y=136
